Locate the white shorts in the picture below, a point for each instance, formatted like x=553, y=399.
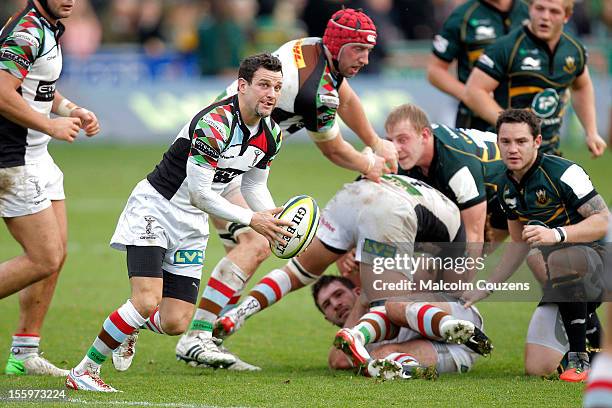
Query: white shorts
x=451, y=357
x=149, y=219
x=30, y=188
x=345, y=225
x=546, y=328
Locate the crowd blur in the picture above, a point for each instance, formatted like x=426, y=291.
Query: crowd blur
x=218, y=33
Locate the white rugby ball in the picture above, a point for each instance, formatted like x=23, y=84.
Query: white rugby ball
x=304, y=213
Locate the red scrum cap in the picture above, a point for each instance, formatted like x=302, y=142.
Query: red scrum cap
x=348, y=26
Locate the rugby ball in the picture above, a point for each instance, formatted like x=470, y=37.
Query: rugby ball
x=304, y=213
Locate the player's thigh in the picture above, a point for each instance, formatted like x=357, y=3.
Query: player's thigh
x=59, y=208
x=317, y=258
x=39, y=235
x=546, y=340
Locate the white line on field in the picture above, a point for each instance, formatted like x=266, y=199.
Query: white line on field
x=140, y=403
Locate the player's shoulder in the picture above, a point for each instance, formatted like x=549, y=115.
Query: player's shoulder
x=557, y=167
x=572, y=43
x=26, y=26
x=218, y=116
x=299, y=53
x=463, y=11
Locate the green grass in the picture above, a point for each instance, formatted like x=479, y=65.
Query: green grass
x=290, y=341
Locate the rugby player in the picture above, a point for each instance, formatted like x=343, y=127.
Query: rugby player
x=462, y=163
x=551, y=204
x=32, y=199
x=364, y=215
x=470, y=28
x=536, y=67
x=164, y=226
x=315, y=92
x=403, y=349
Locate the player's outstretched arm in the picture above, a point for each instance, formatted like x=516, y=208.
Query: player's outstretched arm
x=62, y=106
x=439, y=76
x=343, y=154
x=16, y=109
x=352, y=113
x=478, y=95
x=583, y=101
x=512, y=258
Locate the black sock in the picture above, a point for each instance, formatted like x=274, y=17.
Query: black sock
x=593, y=330
x=574, y=316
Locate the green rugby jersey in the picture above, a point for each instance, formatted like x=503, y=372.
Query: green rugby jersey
x=465, y=166
x=532, y=76
x=550, y=192
x=466, y=32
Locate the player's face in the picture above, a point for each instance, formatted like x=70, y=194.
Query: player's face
x=61, y=8
x=336, y=301
x=408, y=142
x=261, y=95
x=517, y=146
x=352, y=58
x=547, y=18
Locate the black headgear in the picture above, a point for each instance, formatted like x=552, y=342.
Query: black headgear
x=45, y=6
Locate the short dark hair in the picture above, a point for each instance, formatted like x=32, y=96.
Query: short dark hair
x=251, y=64
x=326, y=280
x=519, y=116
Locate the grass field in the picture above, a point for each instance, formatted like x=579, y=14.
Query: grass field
x=290, y=341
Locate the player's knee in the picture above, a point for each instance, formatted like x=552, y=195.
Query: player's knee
x=260, y=248
x=174, y=325
x=145, y=303
x=48, y=262
x=535, y=366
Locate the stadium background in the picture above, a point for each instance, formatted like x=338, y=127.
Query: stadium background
x=146, y=66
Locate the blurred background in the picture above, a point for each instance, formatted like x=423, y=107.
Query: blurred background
x=146, y=66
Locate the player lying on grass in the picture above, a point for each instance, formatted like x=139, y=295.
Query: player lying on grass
x=164, y=226
x=362, y=214
x=552, y=205
x=402, y=337
x=315, y=92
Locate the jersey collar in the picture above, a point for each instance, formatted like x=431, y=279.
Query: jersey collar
x=541, y=43
x=58, y=29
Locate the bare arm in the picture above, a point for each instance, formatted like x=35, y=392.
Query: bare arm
x=439, y=76
x=593, y=227
x=583, y=101
x=478, y=95
x=511, y=259
x=343, y=154
x=16, y=109
x=336, y=359
x=474, y=219
x=352, y=113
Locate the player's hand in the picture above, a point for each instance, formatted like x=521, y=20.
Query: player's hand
x=89, y=121
x=596, y=144
x=387, y=150
x=537, y=235
x=347, y=265
x=377, y=169
x=270, y=227
x=470, y=297
x=64, y=128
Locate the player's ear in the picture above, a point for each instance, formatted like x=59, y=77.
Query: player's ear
x=538, y=140
x=242, y=84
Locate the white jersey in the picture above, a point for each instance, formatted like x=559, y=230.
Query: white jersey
x=29, y=50
x=309, y=97
x=399, y=209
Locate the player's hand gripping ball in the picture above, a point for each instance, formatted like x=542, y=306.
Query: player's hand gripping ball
x=304, y=213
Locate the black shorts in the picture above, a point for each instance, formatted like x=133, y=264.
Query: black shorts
x=147, y=262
